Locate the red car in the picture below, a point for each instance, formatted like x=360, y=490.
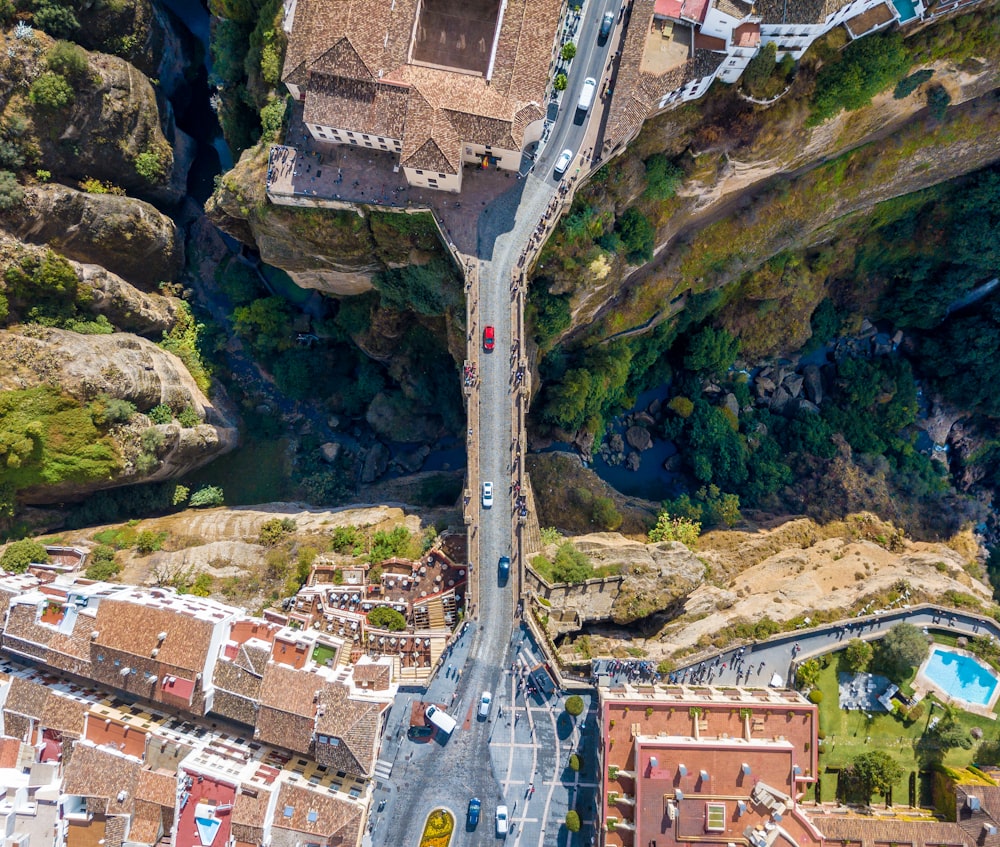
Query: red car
x=489, y=339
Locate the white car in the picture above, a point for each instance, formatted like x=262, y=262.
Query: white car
x=484, y=704
x=487, y=494
x=502, y=822
x=563, y=161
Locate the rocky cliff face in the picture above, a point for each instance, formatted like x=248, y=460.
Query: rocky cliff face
x=125, y=367
x=108, y=128
x=126, y=236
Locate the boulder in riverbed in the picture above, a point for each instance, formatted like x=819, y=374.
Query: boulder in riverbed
x=639, y=438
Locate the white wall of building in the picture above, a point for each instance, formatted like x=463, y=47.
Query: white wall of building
x=430, y=179
x=333, y=135
x=509, y=160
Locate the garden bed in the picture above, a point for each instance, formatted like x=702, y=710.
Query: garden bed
x=438, y=828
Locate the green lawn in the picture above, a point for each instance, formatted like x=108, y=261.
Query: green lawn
x=848, y=734
x=322, y=653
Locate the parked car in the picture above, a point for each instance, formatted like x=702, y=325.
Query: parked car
x=484, y=704
x=563, y=161
x=607, y=22
x=502, y=821
x=489, y=339
x=472, y=819
x=418, y=733
x=487, y=494
x=504, y=568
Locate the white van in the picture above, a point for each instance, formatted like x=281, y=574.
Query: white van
x=587, y=95
x=441, y=719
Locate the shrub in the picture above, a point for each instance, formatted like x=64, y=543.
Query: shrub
x=347, y=540
x=760, y=68
x=11, y=193
x=206, y=497
x=152, y=440
x=559, y=83
x=20, y=554
x=908, y=84
x=67, y=59
x=858, y=654
x=51, y=91
x=272, y=116
x=574, y=705
x=275, y=530
x=161, y=414
x=58, y=21
x=188, y=417
x=816, y=696
x=938, y=100
x=675, y=529
x=149, y=541
x=385, y=618
x=574, y=762
x=101, y=563
x=637, y=235
x=180, y=495
x=573, y=823
x=662, y=178
x=568, y=51
x=150, y=165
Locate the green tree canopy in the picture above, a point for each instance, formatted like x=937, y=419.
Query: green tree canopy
x=807, y=673
x=386, y=618
x=858, y=654
x=711, y=352
x=670, y=528
x=574, y=705
x=875, y=772
x=901, y=649
x=20, y=554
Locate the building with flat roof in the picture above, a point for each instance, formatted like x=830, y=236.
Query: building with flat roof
x=436, y=83
x=701, y=765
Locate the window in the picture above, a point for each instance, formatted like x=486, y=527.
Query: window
x=384, y=146
x=441, y=176
x=368, y=144
x=100, y=657
x=420, y=173
x=350, y=135
x=117, y=663
x=715, y=817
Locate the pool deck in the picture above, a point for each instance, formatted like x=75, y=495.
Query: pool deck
x=923, y=684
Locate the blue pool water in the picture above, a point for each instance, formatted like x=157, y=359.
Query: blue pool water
x=907, y=10
x=961, y=677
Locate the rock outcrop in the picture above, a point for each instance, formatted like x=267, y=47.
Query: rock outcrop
x=127, y=236
x=120, y=366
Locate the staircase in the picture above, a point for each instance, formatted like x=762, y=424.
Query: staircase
x=435, y=613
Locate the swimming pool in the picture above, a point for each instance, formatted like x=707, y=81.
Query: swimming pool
x=961, y=677
x=907, y=10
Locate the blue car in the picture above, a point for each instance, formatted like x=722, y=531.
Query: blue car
x=472, y=820
x=504, y=568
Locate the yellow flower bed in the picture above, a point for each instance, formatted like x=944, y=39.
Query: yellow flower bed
x=438, y=829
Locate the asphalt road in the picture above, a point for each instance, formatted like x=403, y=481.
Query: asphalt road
x=448, y=772
x=590, y=61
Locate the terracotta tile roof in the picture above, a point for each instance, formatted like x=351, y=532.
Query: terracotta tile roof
x=870, y=833
x=10, y=751
x=157, y=787
x=974, y=821
x=368, y=41
x=26, y=697
x=234, y=707
x=96, y=772
x=334, y=818
x=776, y=12
x=146, y=826
x=133, y=629
x=22, y=633
x=373, y=676
x=251, y=811
x=230, y=677
x=16, y=726
x=355, y=722
x=253, y=658
x=63, y=714
x=287, y=707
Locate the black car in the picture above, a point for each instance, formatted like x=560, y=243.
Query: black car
x=607, y=22
x=418, y=733
x=472, y=820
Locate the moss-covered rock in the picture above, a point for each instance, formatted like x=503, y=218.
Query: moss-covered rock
x=126, y=236
x=88, y=369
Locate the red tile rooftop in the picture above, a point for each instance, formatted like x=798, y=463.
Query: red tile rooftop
x=689, y=9
x=213, y=796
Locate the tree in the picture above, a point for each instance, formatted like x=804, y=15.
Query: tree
x=11, y=194
x=760, y=68
x=858, y=655
x=574, y=705
x=568, y=51
x=662, y=178
x=101, y=564
x=874, y=773
x=275, y=530
x=57, y=20
x=559, y=83
x=670, y=528
x=385, y=618
x=711, y=352
x=938, y=100
x=907, y=85
x=20, y=554
x=68, y=59
x=149, y=541
x=637, y=235
x=605, y=515
x=206, y=497
x=902, y=649
x=573, y=823
x=807, y=674
x=51, y=91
